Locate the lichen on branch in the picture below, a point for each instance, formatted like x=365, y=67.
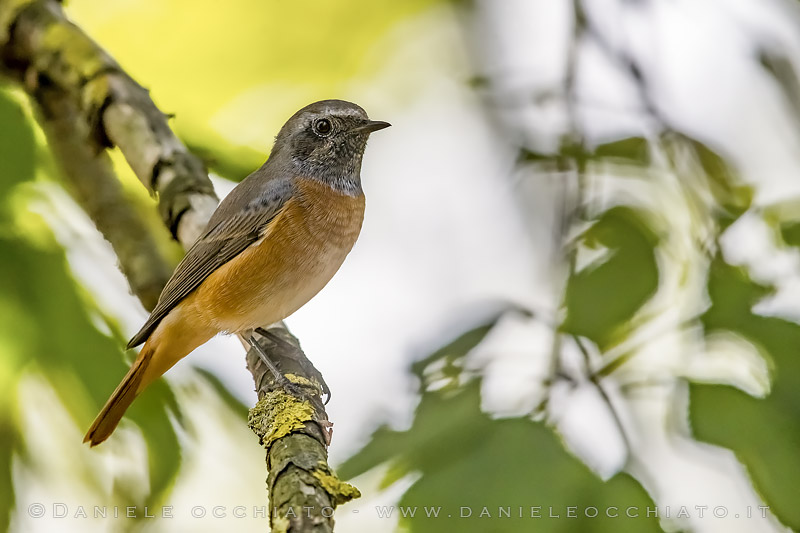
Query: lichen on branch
x=278, y=414
x=295, y=431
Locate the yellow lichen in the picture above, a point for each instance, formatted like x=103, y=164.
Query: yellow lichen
x=76, y=50
x=278, y=414
x=300, y=380
x=339, y=491
x=280, y=524
x=95, y=92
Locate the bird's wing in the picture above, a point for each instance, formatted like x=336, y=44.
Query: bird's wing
x=225, y=239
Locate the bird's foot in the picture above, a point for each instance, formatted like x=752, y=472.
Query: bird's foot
x=293, y=385
x=308, y=368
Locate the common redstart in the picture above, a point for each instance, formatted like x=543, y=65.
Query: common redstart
x=270, y=246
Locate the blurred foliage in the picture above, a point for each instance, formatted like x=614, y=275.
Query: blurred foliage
x=780, y=67
x=631, y=150
x=65, y=346
x=49, y=327
x=470, y=464
x=16, y=166
x=448, y=359
x=790, y=233
x=232, y=402
x=230, y=94
x=601, y=298
x=465, y=458
x=732, y=197
x=764, y=433
x=17, y=148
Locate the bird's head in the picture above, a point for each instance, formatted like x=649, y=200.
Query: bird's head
x=326, y=140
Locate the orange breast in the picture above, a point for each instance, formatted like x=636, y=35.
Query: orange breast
x=301, y=250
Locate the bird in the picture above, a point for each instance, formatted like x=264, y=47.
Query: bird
x=270, y=246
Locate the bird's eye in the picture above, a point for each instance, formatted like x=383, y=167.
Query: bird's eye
x=323, y=127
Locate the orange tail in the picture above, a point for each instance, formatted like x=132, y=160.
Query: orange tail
x=173, y=339
x=106, y=422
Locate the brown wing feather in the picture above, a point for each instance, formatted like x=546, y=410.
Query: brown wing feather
x=225, y=239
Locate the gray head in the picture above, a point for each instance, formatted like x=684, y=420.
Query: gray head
x=326, y=141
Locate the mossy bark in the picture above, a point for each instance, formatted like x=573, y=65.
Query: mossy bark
x=295, y=431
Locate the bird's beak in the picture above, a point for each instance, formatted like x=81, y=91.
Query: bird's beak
x=372, y=125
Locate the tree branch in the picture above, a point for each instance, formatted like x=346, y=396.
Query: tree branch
x=88, y=103
x=93, y=184
x=46, y=48
x=296, y=433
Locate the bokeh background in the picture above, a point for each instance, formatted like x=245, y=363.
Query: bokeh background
x=578, y=283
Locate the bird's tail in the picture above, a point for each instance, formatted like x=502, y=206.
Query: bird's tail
x=130, y=386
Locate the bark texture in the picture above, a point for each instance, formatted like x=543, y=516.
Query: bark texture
x=296, y=432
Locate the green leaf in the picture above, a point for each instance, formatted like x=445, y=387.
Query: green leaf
x=764, y=433
x=17, y=146
x=472, y=464
x=531, y=156
x=8, y=443
x=632, y=150
x=452, y=353
x=790, y=233
x=74, y=356
x=727, y=188
x=600, y=299
x=50, y=325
